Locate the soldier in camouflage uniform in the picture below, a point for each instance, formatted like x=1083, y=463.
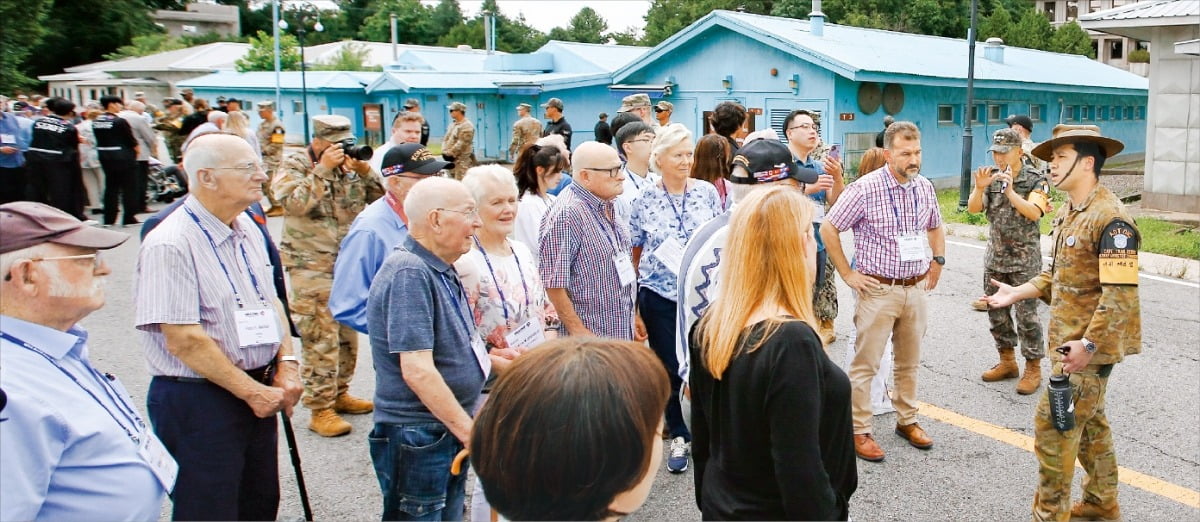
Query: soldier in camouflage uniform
x=271, y=138
x=459, y=143
x=1091, y=287
x=322, y=191
x=526, y=130
x=169, y=124
x=1015, y=196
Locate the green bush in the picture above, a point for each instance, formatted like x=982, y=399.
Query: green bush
x=1139, y=56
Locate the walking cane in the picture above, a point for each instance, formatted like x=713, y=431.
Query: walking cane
x=291, y=442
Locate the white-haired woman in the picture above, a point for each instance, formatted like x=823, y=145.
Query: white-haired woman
x=664, y=217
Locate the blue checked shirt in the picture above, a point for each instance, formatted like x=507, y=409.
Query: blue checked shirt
x=579, y=238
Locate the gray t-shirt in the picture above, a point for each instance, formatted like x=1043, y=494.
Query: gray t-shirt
x=417, y=303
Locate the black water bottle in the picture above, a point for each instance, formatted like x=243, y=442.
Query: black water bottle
x=1062, y=408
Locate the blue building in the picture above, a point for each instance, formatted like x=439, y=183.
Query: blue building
x=854, y=76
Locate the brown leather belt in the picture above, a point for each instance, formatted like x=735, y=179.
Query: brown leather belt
x=262, y=375
x=908, y=281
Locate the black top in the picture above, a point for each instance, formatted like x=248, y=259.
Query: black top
x=603, y=133
x=114, y=138
x=772, y=440
x=191, y=121
x=54, y=139
x=559, y=127
x=424, y=133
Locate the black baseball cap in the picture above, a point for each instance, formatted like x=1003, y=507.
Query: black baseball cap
x=412, y=158
x=1020, y=119
x=768, y=160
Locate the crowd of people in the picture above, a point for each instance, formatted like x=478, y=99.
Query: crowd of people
x=549, y=324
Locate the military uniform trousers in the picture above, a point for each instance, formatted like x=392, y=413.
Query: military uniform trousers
x=1027, y=331
x=462, y=164
x=329, y=351
x=1090, y=441
x=271, y=165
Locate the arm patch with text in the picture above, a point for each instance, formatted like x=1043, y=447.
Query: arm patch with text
x=1118, y=253
x=1040, y=196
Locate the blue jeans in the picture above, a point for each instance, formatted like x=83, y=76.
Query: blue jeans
x=658, y=313
x=412, y=462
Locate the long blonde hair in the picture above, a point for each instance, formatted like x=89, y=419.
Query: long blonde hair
x=763, y=265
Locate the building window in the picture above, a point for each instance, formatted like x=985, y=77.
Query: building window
x=1116, y=48
x=1101, y=113
x=1129, y=113
x=1093, y=6
x=297, y=106
x=1048, y=8
x=1071, y=113
x=1141, y=112
x=1035, y=112
x=946, y=114
x=995, y=113
x=1085, y=113
x=1072, y=10
x=977, y=112
x=1114, y=112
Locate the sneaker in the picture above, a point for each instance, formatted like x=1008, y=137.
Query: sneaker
x=677, y=460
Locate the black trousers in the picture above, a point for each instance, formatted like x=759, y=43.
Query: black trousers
x=61, y=184
x=12, y=184
x=143, y=177
x=658, y=313
x=120, y=180
x=228, y=457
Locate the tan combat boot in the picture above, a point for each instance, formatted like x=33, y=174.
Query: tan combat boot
x=979, y=305
x=326, y=423
x=1088, y=511
x=826, y=331
x=1007, y=369
x=347, y=403
x=1033, y=377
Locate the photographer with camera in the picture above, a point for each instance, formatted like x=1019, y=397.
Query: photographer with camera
x=322, y=189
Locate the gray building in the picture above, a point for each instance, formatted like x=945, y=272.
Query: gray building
x=200, y=18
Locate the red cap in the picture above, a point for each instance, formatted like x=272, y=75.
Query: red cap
x=24, y=224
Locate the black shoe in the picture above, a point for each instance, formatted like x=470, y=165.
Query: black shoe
x=96, y=211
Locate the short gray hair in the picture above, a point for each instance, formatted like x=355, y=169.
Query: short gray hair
x=476, y=179
x=8, y=258
x=666, y=138
x=426, y=195
x=215, y=116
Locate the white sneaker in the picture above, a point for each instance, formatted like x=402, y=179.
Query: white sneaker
x=677, y=459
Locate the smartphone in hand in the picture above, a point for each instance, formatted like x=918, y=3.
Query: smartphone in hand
x=835, y=151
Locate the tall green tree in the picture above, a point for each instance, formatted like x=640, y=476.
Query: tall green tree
x=445, y=16
x=1072, y=39
x=18, y=40
x=630, y=36
x=667, y=17
x=586, y=26
x=996, y=25
x=146, y=44
x=82, y=31
x=261, y=56
x=351, y=57
x=513, y=35
x=1032, y=30
x=412, y=23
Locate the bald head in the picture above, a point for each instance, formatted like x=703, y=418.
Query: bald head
x=593, y=154
x=212, y=151
x=217, y=117
x=431, y=193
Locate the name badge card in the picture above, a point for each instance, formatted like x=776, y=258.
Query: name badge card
x=160, y=460
x=257, y=327
x=481, y=355
x=670, y=252
x=528, y=335
x=912, y=248
x=8, y=139
x=625, y=271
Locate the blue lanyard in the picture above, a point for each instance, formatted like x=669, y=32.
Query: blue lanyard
x=458, y=305
x=500, y=291
x=896, y=211
x=633, y=178
x=253, y=280
x=683, y=204
x=605, y=226
x=127, y=411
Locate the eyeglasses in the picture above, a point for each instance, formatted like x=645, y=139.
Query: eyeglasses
x=469, y=214
x=612, y=172
x=95, y=258
x=641, y=140
x=805, y=126
x=246, y=168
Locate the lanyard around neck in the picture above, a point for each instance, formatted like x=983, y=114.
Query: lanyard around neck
x=237, y=296
x=496, y=282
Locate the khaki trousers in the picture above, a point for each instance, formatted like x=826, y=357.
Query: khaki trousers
x=898, y=313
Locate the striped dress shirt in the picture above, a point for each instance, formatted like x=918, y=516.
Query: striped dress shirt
x=180, y=281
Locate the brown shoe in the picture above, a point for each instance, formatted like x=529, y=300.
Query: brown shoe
x=1088, y=511
x=1007, y=369
x=826, y=331
x=1033, y=377
x=326, y=423
x=914, y=435
x=352, y=405
x=275, y=211
x=980, y=305
x=866, y=448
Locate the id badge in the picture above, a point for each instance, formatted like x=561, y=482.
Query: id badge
x=481, y=355
x=625, y=272
x=8, y=139
x=670, y=252
x=528, y=335
x=256, y=327
x=912, y=248
x=161, y=462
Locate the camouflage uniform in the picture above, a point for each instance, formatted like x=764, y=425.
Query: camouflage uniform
x=313, y=227
x=526, y=130
x=170, y=125
x=1014, y=255
x=1027, y=146
x=459, y=144
x=271, y=137
x=1092, y=290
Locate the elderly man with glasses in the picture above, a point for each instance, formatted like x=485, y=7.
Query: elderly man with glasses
x=584, y=249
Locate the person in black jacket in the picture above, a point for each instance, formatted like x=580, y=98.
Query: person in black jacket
x=118, y=156
x=771, y=424
x=603, y=133
x=53, y=159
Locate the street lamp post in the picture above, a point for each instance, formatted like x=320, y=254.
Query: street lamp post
x=303, y=15
x=964, y=181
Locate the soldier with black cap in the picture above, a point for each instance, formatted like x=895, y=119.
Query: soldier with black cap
x=271, y=138
x=459, y=144
x=1024, y=127
x=557, y=124
x=412, y=105
x=322, y=190
x=526, y=130
x=1095, y=321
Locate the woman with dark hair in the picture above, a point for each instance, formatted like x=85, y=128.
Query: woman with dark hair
x=198, y=117
x=572, y=431
x=772, y=437
x=726, y=120
x=713, y=160
x=538, y=169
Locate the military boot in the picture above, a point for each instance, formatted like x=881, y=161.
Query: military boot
x=1033, y=377
x=1088, y=511
x=1007, y=369
x=826, y=331
x=347, y=403
x=326, y=423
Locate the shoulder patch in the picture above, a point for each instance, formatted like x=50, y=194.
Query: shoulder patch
x=1040, y=196
x=1118, y=253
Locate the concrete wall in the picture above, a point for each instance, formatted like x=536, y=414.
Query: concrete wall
x=1172, y=179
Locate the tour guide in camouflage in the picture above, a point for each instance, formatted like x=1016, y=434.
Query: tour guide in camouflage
x=458, y=145
x=1091, y=287
x=1015, y=195
x=322, y=190
x=271, y=137
x=169, y=124
x=526, y=130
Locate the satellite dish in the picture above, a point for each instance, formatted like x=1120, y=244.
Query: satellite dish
x=869, y=97
x=893, y=98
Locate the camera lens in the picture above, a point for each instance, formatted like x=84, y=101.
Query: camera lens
x=360, y=152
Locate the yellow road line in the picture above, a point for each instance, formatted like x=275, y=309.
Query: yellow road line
x=1180, y=494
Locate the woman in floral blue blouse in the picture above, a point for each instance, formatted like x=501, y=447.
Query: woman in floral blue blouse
x=664, y=217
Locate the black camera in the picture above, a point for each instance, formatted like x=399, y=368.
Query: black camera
x=358, y=152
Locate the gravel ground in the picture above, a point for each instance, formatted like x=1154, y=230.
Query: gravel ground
x=1123, y=184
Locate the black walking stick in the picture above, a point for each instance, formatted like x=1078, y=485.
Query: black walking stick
x=291, y=442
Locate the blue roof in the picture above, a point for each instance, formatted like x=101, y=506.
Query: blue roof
x=876, y=55
x=585, y=57
x=444, y=60
x=287, y=80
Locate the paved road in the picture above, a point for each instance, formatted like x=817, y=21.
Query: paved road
x=1153, y=405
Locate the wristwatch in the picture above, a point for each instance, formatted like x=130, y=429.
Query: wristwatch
x=1088, y=345
x=939, y=260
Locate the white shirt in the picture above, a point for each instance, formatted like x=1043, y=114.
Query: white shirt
x=528, y=225
x=633, y=188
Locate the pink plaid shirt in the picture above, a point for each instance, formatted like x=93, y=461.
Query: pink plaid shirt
x=878, y=210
